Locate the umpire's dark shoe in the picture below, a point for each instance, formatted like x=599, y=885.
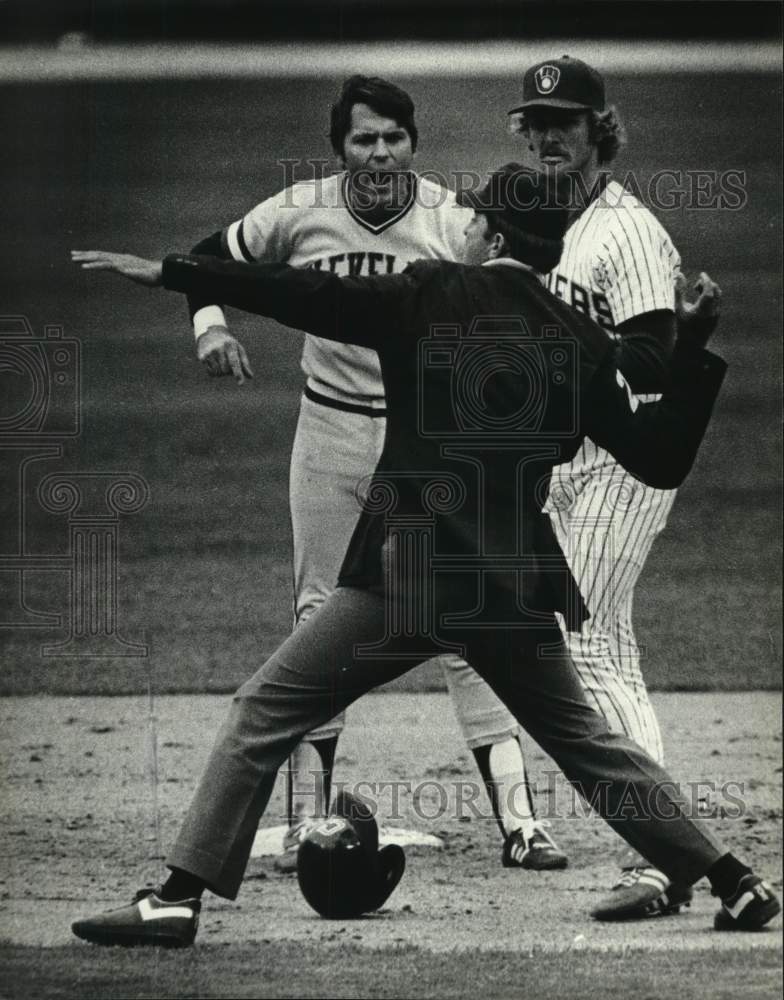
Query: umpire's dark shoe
x=749, y=908
x=147, y=921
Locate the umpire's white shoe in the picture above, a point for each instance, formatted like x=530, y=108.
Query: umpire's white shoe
x=539, y=853
x=749, y=908
x=149, y=920
x=642, y=892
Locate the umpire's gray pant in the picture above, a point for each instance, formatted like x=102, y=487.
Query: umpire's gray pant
x=319, y=670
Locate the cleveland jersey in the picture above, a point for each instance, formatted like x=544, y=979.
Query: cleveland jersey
x=312, y=224
x=618, y=262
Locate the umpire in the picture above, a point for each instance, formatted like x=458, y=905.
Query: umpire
x=490, y=381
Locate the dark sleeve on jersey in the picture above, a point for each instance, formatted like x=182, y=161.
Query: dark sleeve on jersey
x=661, y=326
x=212, y=246
x=656, y=442
x=360, y=311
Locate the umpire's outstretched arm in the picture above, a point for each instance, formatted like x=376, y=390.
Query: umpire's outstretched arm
x=212, y=246
x=350, y=310
x=656, y=442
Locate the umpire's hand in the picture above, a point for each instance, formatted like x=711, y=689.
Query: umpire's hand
x=223, y=354
x=697, y=320
x=138, y=269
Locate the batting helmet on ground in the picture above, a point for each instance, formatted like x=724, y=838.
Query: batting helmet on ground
x=340, y=869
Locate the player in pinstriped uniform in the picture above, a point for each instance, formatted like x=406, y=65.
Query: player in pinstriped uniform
x=620, y=267
x=322, y=224
x=618, y=263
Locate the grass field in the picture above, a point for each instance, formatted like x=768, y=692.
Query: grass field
x=151, y=167
x=347, y=971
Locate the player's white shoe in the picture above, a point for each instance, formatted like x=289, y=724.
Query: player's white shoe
x=539, y=853
x=640, y=892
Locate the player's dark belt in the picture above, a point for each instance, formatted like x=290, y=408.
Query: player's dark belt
x=337, y=404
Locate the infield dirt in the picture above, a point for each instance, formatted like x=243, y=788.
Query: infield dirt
x=96, y=787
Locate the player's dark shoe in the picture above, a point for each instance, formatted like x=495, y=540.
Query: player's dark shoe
x=539, y=853
x=642, y=892
x=749, y=908
x=148, y=920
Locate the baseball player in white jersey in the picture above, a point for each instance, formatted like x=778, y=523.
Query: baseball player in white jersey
x=619, y=266
x=375, y=217
x=618, y=256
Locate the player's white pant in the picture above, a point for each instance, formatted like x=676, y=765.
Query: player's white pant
x=483, y=717
x=606, y=522
x=334, y=451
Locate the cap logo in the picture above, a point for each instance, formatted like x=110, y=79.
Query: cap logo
x=333, y=825
x=546, y=79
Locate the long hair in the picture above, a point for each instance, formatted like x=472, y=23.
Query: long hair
x=606, y=132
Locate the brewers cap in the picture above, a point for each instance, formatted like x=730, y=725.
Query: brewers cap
x=562, y=83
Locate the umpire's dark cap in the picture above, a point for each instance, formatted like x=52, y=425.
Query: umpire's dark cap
x=526, y=200
x=562, y=83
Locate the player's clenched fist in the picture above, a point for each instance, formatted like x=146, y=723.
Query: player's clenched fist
x=143, y=272
x=697, y=320
x=223, y=354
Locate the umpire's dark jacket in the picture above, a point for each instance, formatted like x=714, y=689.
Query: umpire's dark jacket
x=490, y=381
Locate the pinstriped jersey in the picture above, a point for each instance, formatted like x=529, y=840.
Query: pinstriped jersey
x=618, y=262
x=313, y=224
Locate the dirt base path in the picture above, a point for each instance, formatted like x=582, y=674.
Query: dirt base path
x=94, y=789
